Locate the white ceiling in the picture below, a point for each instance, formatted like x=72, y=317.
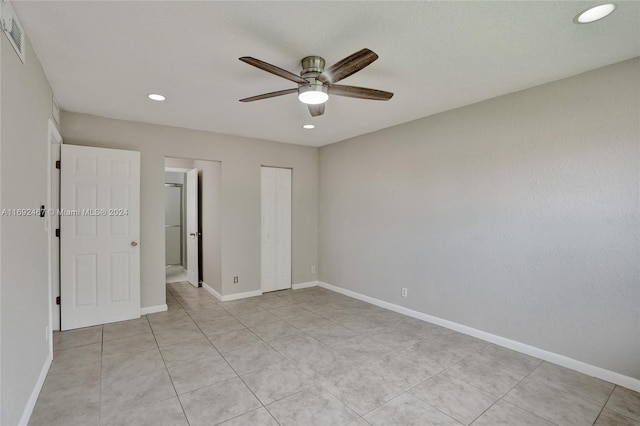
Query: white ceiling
x=103, y=58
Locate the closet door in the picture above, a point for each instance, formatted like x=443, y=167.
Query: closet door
x=276, y=228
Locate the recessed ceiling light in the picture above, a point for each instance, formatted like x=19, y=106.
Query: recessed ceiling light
x=594, y=13
x=156, y=97
x=308, y=126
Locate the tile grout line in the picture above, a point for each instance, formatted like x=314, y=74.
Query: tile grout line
x=225, y=360
x=470, y=384
x=293, y=363
x=605, y=404
x=230, y=366
x=590, y=401
x=271, y=414
x=240, y=376
x=435, y=408
x=320, y=384
x=523, y=409
x=184, y=413
x=445, y=370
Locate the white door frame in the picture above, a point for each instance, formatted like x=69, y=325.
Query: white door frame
x=54, y=140
x=192, y=226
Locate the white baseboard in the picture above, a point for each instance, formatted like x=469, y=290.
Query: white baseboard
x=236, y=296
x=211, y=290
x=31, y=403
x=153, y=309
x=230, y=297
x=304, y=285
x=564, y=361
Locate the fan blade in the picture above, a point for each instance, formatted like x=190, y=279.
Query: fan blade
x=269, y=95
x=273, y=69
x=316, y=110
x=359, y=92
x=347, y=66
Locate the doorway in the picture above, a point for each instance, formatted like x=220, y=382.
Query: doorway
x=182, y=231
x=192, y=222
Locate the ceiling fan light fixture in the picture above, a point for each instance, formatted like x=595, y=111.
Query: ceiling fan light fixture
x=315, y=82
x=595, y=13
x=314, y=94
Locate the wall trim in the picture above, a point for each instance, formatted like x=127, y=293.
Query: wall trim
x=230, y=297
x=153, y=309
x=31, y=403
x=304, y=285
x=211, y=290
x=236, y=296
x=564, y=361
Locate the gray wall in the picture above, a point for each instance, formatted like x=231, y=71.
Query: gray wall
x=518, y=216
x=181, y=163
x=24, y=314
x=174, y=177
x=241, y=159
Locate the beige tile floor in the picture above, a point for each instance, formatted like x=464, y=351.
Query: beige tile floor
x=307, y=357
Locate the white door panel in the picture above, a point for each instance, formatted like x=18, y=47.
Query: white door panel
x=268, y=200
x=193, y=234
x=283, y=234
x=100, y=231
x=276, y=228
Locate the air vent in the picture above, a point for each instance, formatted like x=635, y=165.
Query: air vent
x=12, y=28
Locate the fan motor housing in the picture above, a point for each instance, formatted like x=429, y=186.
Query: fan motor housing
x=312, y=64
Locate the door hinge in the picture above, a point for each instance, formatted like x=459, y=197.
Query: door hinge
x=58, y=232
x=58, y=300
x=57, y=164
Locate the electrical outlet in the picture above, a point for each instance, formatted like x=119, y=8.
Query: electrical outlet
x=235, y=280
x=404, y=292
x=313, y=269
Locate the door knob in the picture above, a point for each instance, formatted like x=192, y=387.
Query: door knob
x=192, y=234
x=134, y=243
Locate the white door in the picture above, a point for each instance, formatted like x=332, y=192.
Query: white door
x=193, y=235
x=99, y=236
x=276, y=228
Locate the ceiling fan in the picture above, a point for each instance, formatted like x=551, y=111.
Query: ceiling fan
x=315, y=83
